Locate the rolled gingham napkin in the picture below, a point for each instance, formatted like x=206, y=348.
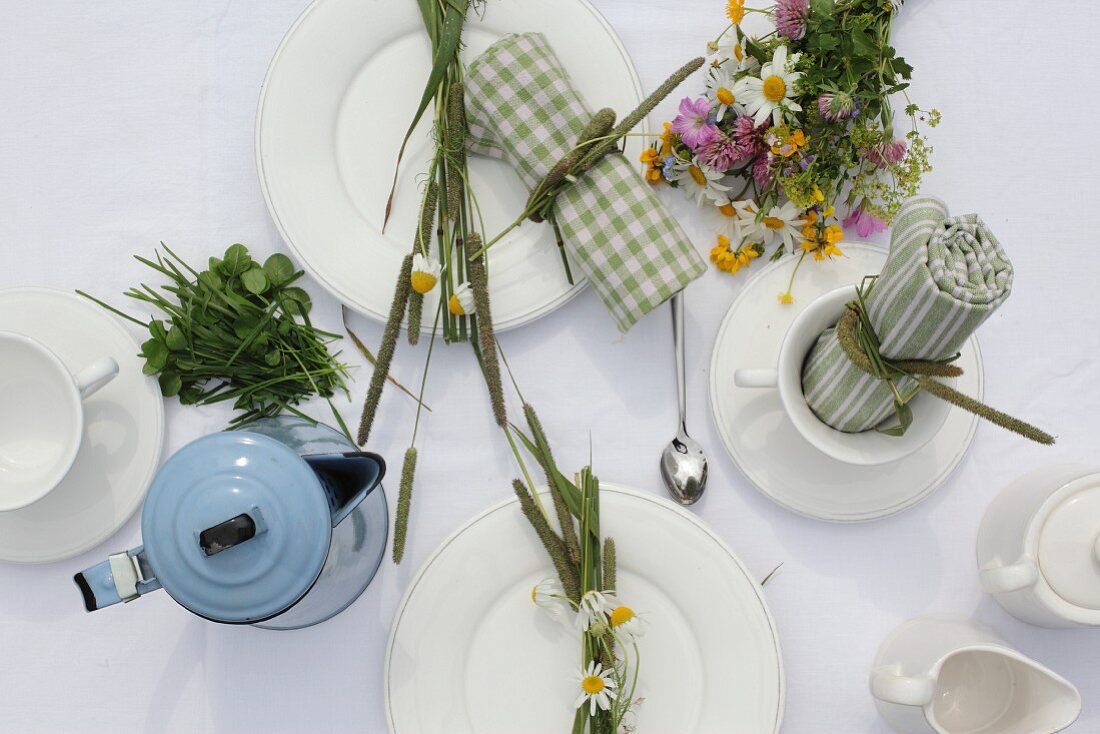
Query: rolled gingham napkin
x=521, y=107
x=943, y=277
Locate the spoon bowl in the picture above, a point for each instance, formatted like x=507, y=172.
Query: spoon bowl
x=684, y=468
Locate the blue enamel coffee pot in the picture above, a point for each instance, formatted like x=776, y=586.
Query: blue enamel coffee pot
x=281, y=526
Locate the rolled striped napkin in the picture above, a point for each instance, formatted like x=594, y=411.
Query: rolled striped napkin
x=943, y=277
x=522, y=107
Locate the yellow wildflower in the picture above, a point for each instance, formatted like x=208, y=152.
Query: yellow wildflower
x=834, y=233
x=818, y=196
x=786, y=298
x=829, y=211
x=735, y=11
x=808, y=245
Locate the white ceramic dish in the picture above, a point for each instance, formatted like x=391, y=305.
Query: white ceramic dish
x=764, y=443
x=123, y=430
x=470, y=653
x=869, y=448
x=336, y=102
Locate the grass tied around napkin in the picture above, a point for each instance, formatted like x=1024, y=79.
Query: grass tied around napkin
x=522, y=108
x=944, y=276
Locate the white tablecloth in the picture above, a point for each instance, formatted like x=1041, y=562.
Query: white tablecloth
x=125, y=124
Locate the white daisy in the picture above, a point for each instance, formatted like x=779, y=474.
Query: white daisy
x=732, y=55
x=624, y=621
x=738, y=219
x=597, y=688
x=549, y=595
x=461, y=302
x=772, y=93
x=698, y=181
x=720, y=92
x=593, y=609
x=425, y=273
x=784, y=223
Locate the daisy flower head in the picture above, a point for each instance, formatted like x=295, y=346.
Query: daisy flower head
x=549, y=595
x=772, y=93
x=593, y=609
x=784, y=223
x=698, y=180
x=746, y=227
x=624, y=621
x=693, y=124
x=790, y=18
x=461, y=302
x=597, y=688
x=720, y=85
x=732, y=55
x=425, y=273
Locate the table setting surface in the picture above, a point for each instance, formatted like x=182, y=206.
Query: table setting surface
x=127, y=125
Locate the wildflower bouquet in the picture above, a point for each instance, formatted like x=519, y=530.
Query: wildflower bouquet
x=584, y=590
x=794, y=126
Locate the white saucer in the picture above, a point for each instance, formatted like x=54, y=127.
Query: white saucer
x=338, y=97
x=763, y=442
x=123, y=434
x=469, y=652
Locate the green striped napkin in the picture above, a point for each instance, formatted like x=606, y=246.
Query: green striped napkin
x=521, y=107
x=943, y=277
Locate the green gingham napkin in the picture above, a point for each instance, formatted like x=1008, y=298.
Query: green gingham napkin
x=943, y=277
x=521, y=107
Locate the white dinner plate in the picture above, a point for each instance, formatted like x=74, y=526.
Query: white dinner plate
x=469, y=653
x=764, y=443
x=337, y=100
x=123, y=430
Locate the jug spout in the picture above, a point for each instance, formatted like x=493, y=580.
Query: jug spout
x=123, y=577
x=347, y=478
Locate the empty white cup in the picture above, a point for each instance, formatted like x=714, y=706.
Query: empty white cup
x=41, y=418
x=950, y=675
x=869, y=448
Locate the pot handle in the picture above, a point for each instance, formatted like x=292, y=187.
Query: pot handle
x=902, y=690
x=123, y=577
x=1002, y=579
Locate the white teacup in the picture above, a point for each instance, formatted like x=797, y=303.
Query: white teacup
x=41, y=417
x=1039, y=547
x=951, y=676
x=869, y=448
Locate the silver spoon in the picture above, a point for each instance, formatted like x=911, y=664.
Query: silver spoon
x=683, y=463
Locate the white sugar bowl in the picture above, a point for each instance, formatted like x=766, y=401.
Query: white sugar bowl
x=1039, y=548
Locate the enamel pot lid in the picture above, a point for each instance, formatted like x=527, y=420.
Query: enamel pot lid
x=236, y=527
x=1069, y=544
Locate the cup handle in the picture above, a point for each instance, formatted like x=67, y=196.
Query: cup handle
x=1002, y=579
x=902, y=690
x=756, y=378
x=96, y=375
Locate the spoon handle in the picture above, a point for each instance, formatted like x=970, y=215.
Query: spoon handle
x=678, y=342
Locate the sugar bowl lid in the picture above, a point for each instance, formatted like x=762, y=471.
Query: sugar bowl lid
x=1069, y=544
x=236, y=527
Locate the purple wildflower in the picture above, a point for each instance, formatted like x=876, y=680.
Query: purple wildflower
x=692, y=123
x=790, y=18
x=886, y=154
x=749, y=137
x=836, y=107
x=761, y=172
x=865, y=223
x=721, y=153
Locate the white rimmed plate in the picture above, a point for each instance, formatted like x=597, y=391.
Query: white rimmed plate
x=123, y=430
x=338, y=97
x=469, y=652
x=766, y=446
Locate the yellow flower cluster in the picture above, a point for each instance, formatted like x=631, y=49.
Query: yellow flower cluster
x=735, y=11
x=821, y=240
x=786, y=142
x=729, y=260
x=654, y=156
